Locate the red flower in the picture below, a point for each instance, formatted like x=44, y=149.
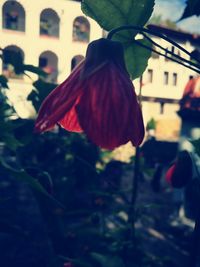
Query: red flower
x=180, y=173
x=98, y=98
x=169, y=174
x=191, y=95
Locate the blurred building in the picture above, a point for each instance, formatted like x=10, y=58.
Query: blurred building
x=164, y=82
x=189, y=113
x=51, y=34
x=54, y=34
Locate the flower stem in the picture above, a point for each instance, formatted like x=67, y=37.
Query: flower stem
x=195, y=242
x=132, y=210
x=176, y=58
x=170, y=58
x=136, y=174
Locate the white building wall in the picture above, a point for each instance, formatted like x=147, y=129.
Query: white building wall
x=33, y=44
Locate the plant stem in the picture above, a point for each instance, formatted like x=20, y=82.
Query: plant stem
x=168, y=57
x=195, y=248
x=180, y=60
x=132, y=210
x=136, y=173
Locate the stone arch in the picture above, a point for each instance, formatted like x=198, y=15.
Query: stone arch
x=12, y=56
x=81, y=30
x=76, y=60
x=48, y=61
x=49, y=23
x=13, y=16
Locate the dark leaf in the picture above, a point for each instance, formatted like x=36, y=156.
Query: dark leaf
x=7, y=136
x=105, y=261
x=11, y=142
x=15, y=59
x=3, y=81
x=192, y=8
x=43, y=89
x=23, y=176
x=35, y=70
x=7, y=227
x=136, y=58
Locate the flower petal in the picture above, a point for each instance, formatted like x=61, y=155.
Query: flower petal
x=169, y=174
x=59, y=102
x=108, y=110
x=70, y=121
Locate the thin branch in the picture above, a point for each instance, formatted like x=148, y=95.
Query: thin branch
x=170, y=52
x=142, y=31
x=168, y=57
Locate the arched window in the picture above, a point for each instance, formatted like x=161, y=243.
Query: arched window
x=48, y=61
x=49, y=23
x=76, y=60
x=81, y=30
x=13, y=16
x=12, y=56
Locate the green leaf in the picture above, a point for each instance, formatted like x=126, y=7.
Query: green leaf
x=111, y=14
x=11, y=142
x=114, y=13
x=136, y=58
x=3, y=81
x=7, y=134
x=42, y=90
x=23, y=130
x=35, y=70
x=22, y=175
x=192, y=8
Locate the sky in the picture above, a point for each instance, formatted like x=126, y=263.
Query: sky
x=173, y=9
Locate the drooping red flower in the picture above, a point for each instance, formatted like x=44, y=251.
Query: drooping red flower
x=169, y=174
x=97, y=98
x=180, y=173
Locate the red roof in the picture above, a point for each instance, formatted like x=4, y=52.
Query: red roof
x=191, y=95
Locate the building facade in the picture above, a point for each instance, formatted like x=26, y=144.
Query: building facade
x=164, y=82
x=51, y=34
